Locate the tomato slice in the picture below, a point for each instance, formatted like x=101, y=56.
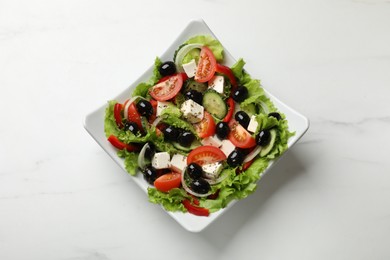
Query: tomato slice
x=117, y=114
x=132, y=114
x=168, y=181
x=153, y=116
x=228, y=73
x=239, y=136
x=206, y=127
x=168, y=88
x=120, y=145
x=230, y=103
x=206, y=65
x=205, y=154
x=196, y=210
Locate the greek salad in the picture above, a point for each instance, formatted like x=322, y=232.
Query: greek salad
x=201, y=133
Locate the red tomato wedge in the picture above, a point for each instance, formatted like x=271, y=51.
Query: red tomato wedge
x=206, y=65
x=230, y=103
x=205, y=154
x=196, y=210
x=206, y=127
x=120, y=145
x=239, y=136
x=132, y=114
x=117, y=114
x=168, y=181
x=228, y=73
x=167, y=88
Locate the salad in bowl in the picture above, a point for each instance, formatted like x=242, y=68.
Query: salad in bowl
x=200, y=132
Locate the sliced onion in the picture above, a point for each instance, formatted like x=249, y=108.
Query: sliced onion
x=141, y=156
x=264, y=107
x=183, y=52
x=156, y=121
x=219, y=179
x=187, y=189
x=252, y=154
x=128, y=103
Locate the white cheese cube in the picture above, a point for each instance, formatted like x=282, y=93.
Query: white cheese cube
x=212, y=170
x=190, y=68
x=161, y=160
x=212, y=140
x=161, y=105
x=192, y=111
x=227, y=147
x=216, y=83
x=253, y=124
x=178, y=162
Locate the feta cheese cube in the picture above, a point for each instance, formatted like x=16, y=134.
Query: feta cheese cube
x=161, y=160
x=192, y=111
x=216, y=83
x=212, y=140
x=161, y=105
x=190, y=68
x=227, y=147
x=212, y=170
x=253, y=124
x=178, y=162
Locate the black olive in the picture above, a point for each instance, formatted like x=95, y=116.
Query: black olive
x=194, y=170
x=200, y=186
x=145, y=108
x=150, y=174
x=235, y=158
x=242, y=118
x=194, y=95
x=263, y=138
x=167, y=68
x=150, y=151
x=222, y=130
x=132, y=127
x=186, y=138
x=276, y=115
x=170, y=133
x=240, y=94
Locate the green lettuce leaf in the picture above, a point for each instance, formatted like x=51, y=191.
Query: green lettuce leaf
x=110, y=127
x=131, y=161
x=171, y=200
x=143, y=88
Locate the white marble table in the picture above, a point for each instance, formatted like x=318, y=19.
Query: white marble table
x=62, y=197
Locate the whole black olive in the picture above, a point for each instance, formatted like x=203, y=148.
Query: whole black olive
x=194, y=95
x=150, y=174
x=263, y=138
x=145, y=108
x=200, y=186
x=167, y=68
x=276, y=115
x=150, y=151
x=222, y=130
x=194, y=170
x=170, y=133
x=242, y=118
x=132, y=127
x=235, y=158
x=240, y=94
x=186, y=138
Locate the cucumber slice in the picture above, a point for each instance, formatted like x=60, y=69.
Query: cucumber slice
x=267, y=149
x=192, y=84
x=214, y=104
x=194, y=145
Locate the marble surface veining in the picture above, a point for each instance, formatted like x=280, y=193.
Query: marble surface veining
x=62, y=197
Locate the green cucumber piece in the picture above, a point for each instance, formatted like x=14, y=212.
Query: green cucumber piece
x=214, y=104
x=194, y=145
x=267, y=149
x=194, y=85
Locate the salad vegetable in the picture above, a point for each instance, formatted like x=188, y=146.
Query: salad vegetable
x=200, y=132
